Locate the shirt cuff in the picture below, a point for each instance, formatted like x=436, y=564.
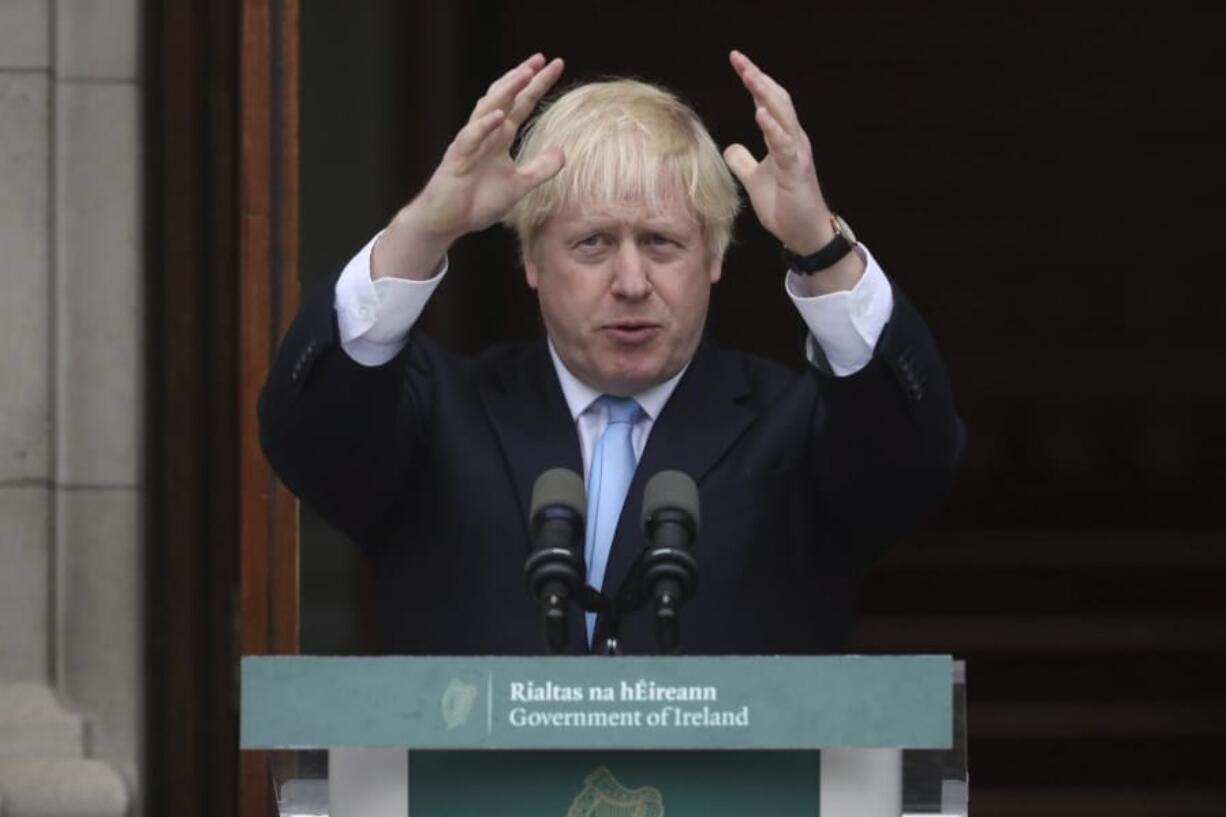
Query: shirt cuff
x=374, y=317
x=846, y=325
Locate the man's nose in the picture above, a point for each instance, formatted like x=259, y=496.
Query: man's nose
x=631, y=271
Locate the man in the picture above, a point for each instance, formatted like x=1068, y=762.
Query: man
x=624, y=208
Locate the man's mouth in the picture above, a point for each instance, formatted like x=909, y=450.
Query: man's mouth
x=631, y=332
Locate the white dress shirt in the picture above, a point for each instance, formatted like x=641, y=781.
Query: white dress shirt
x=591, y=418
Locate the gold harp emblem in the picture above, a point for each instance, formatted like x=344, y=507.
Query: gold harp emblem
x=603, y=796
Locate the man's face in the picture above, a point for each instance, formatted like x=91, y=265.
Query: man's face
x=624, y=295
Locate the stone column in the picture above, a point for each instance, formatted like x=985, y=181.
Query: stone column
x=99, y=365
x=26, y=363
x=71, y=411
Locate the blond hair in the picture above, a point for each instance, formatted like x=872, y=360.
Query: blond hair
x=627, y=143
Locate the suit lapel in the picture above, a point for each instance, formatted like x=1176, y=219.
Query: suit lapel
x=525, y=405
x=532, y=421
x=700, y=422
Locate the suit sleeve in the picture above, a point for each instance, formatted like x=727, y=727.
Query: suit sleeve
x=887, y=439
x=339, y=434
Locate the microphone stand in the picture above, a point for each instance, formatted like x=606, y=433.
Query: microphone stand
x=667, y=577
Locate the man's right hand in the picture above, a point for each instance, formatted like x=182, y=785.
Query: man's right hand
x=477, y=182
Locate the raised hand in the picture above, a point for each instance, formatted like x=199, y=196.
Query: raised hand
x=783, y=187
x=477, y=182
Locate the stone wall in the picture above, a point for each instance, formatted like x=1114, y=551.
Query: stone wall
x=71, y=406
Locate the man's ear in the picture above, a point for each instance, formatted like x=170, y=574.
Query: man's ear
x=530, y=269
x=716, y=268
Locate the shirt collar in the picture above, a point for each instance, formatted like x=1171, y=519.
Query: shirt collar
x=580, y=396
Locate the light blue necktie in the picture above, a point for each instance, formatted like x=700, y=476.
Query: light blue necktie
x=612, y=469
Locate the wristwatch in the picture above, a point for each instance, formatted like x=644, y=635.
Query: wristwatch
x=829, y=255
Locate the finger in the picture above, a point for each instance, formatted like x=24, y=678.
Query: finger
x=470, y=138
x=757, y=90
x=741, y=64
x=532, y=64
x=778, y=141
x=538, y=170
x=774, y=98
x=502, y=91
x=527, y=99
x=767, y=92
x=741, y=162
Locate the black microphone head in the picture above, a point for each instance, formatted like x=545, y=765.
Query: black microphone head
x=559, y=486
x=671, y=490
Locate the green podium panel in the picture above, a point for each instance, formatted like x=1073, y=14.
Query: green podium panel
x=810, y=702
x=603, y=737
x=586, y=784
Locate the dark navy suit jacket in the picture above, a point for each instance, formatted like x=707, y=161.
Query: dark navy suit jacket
x=428, y=462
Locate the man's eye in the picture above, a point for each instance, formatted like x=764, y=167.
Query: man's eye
x=590, y=241
x=657, y=240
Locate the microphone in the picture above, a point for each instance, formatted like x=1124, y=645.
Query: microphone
x=670, y=572
x=555, y=568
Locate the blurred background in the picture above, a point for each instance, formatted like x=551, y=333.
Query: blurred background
x=1045, y=182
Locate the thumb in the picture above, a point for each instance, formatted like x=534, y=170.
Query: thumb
x=538, y=170
x=741, y=162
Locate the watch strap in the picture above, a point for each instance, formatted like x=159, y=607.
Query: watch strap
x=834, y=251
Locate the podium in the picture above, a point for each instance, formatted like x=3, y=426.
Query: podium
x=852, y=736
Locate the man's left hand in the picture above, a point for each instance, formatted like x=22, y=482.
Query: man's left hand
x=783, y=187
